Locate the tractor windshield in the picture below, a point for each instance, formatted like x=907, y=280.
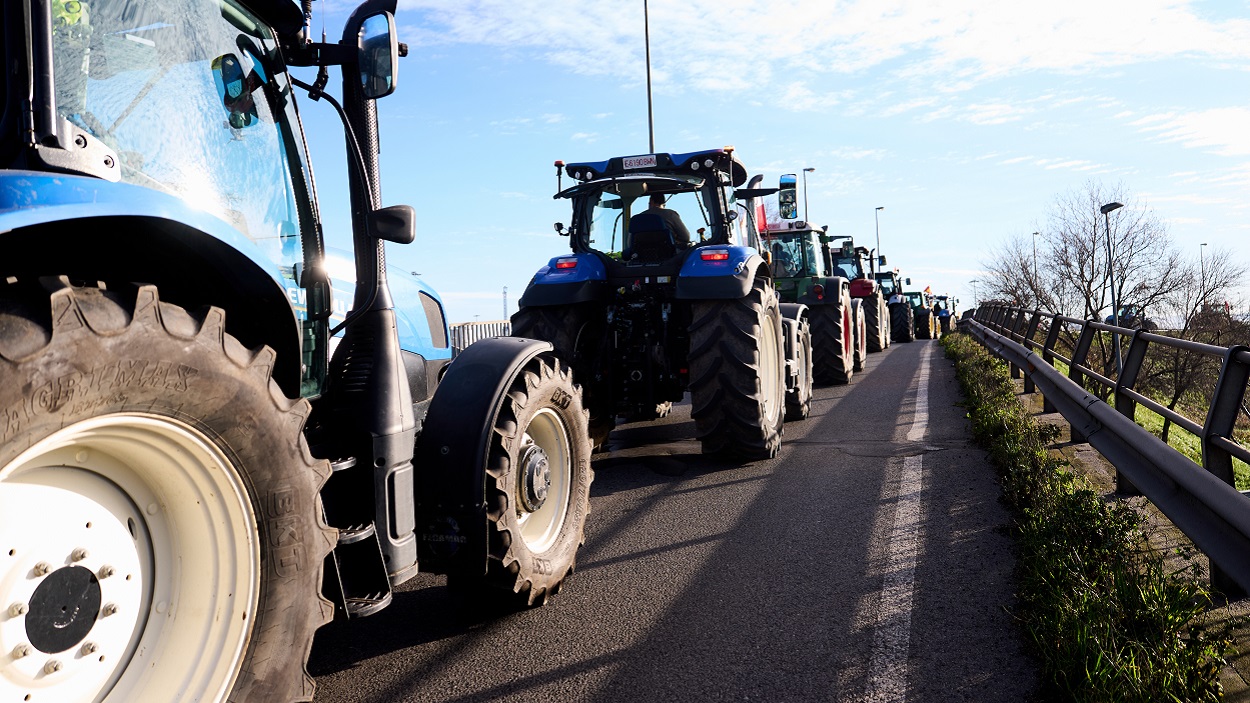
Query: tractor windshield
x=793, y=254
x=609, y=212
x=848, y=267
x=888, y=288
x=193, y=99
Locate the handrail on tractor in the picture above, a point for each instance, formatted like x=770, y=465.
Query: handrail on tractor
x=1204, y=504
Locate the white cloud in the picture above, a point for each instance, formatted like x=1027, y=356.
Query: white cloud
x=1221, y=130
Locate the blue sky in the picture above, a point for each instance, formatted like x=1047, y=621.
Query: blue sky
x=965, y=119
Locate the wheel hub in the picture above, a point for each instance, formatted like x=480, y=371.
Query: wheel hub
x=63, y=609
x=535, y=478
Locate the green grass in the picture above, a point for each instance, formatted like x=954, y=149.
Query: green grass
x=1106, y=619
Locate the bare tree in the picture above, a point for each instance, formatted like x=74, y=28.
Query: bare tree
x=1199, y=309
x=1074, y=272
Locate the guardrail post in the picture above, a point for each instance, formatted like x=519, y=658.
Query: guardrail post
x=1226, y=403
x=1048, y=355
x=1010, y=324
x=1125, y=405
x=1079, y=356
x=1030, y=331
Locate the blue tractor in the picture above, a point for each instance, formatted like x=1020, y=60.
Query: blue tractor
x=204, y=453
x=665, y=292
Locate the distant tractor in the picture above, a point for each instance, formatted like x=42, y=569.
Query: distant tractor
x=659, y=297
x=944, y=310
x=798, y=255
x=924, y=321
x=859, y=265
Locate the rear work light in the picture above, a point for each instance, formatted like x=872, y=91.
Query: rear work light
x=819, y=291
x=566, y=263
x=714, y=255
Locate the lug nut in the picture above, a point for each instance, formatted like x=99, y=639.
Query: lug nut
x=108, y=609
x=42, y=568
x=88, y=647
x=52, y=666
x=21, y=650
x=17, y=610
x=105, y=572
x=78, y=554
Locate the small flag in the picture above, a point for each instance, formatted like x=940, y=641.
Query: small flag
x=927, y=291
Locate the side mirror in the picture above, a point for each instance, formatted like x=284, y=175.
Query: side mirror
x=881, y=260
x=848, y=249
x=377, y=55
x=397, y=223
x=788, y=197
x=234, y=87
x=559, y=228
x=907, y=281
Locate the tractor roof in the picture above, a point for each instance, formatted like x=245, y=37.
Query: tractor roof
x=697, y=163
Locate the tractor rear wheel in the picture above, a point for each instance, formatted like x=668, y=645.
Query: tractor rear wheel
x=878, y=340
x=737, y=383
x=537, y=482
x=860, y=334
x=799, y=400
x=567, y=328
x=162, y=515
x=924, y=325
x=832, y=343
x=901, y=323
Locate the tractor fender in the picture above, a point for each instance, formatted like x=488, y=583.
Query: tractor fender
x=565, y=280
x=791, y=314
x=451, y=453
x=863, y=288
x=122, y=232
x=832, y=285
x=719, y=272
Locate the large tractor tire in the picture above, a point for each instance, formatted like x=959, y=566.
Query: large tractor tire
x=566, y=328
x=859, y=334
x=924, y=324
x=833, y=342
x=878, y=337
x=902, y=323
x=162, y=526
x=884, y=315
x=799, y=400
x=737, y=382
x=537, y=487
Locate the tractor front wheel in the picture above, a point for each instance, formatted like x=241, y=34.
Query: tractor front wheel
x=162, y=534
x=833, y=342
x=799, y=400
x=860, y=333
x=902, y=323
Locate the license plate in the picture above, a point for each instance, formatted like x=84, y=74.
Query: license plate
x=632, y=162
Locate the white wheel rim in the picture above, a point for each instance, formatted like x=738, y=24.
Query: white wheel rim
x=541, y=528
x=161, y=518
x=772, y=386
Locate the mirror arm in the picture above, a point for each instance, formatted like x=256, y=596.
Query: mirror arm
x=321, y=54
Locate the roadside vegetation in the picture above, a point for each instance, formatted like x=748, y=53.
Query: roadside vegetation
x=1107, y=619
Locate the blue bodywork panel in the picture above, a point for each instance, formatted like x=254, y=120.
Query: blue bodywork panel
x=589, y=268
x=696, y=267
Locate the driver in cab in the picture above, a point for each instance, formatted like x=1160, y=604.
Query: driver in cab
x=681, y=235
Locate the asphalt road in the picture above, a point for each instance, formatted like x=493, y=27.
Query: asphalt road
x=867, y=562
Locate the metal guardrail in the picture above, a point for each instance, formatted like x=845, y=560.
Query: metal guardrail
x=1200, y=500
x=465, y=333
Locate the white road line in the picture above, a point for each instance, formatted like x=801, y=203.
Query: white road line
x=887, y=671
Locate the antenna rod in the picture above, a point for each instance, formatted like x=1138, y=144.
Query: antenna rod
x=646, y=33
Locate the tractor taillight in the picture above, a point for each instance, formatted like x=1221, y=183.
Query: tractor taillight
x=819, y=291
x=714, y=255
x=566, y=263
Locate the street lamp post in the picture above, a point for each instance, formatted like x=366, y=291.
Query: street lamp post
x=876, y=220
x=974, y=283
x=1202, y=261
x=505, y=303
x=806, y=216
x=1106, y=211
x=1036, y=285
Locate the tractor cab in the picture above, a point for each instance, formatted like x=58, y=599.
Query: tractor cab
x=795, y=251
x=644, y=214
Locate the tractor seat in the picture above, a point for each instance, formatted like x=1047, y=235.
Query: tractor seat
x=650, y=240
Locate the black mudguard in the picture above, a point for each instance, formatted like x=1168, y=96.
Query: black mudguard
x=791, y=313
x=832, y=284
x=451, y=453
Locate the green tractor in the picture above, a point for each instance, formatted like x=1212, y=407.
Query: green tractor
x=798, y=256
x=924, y=322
